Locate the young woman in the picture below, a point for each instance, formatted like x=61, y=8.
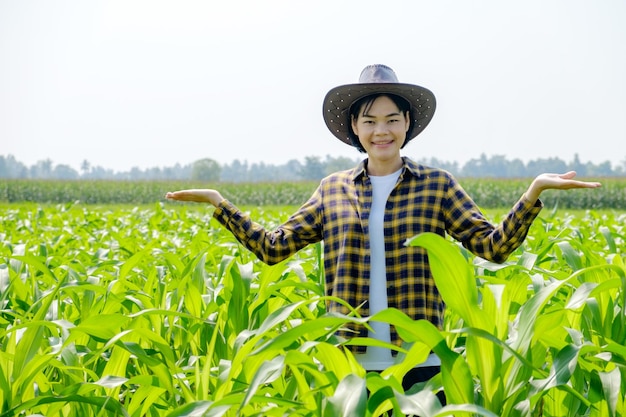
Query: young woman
x=365, y=214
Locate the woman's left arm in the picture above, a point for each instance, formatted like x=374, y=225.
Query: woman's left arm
x=556, y=182
x=468, y=225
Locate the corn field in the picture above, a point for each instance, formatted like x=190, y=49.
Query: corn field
x=156, y=310
x=488, y=193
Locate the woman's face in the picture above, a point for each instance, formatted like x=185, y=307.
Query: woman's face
x=381, y=129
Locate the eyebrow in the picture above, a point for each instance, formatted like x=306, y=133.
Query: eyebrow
x=389, y=115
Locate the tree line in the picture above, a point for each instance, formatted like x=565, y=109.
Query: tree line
x=312, y=168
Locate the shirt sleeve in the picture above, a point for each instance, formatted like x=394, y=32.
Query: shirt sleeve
x=273, y=246
x=467, y=224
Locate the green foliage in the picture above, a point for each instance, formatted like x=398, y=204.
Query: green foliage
x=313, y=167
x=148, y=192
x=488, y=193
x=539, y=339
x=158, y=311
x=205, y=170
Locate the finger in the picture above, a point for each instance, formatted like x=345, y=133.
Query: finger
x=584, y=184
x=176, y=195
x=591, y=184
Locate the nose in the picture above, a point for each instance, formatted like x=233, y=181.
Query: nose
x=380, y=128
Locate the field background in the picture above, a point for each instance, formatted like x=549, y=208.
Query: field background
x=116, y=302
x=488, y=193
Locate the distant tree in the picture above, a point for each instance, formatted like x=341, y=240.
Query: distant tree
x=259, y=172
x=177, y=172
x=237, y=171
x=4, y=169
x=313, y=169
x=100, y=173
x=498, y=166
x=334, y=164
x=42, y=169
x=85, y=166
x=620, y=169
x=478, y=168
x=154, y=173
x=516, y=169
x=452, y=167
x=538, y=166
x=578, y=166
x=602, y=170
x=205, y=170
x=292, y=169
x=64, y=172
x=135, y=174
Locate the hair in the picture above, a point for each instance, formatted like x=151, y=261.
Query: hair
x=366, y=103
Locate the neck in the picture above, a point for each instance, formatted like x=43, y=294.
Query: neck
x=381, y=168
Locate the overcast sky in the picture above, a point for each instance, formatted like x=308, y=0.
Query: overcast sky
x=144, y=83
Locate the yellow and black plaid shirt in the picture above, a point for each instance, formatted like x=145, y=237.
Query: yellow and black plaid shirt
x=424, y=200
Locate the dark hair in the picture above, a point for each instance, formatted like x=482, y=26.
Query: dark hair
x=365, y=103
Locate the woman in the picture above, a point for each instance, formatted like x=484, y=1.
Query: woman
x=365, y=214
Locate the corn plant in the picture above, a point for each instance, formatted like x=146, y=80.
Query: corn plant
x=157, y=311
x=538, y=340
x=490, y=193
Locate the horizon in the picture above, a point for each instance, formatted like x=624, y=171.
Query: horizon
x=359, y=157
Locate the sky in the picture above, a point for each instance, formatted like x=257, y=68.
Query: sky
x=152, y=83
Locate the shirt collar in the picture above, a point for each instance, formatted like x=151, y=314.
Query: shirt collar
x=412, y=167
x=408, y=165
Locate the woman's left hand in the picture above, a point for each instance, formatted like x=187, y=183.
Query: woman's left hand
x=564, y=181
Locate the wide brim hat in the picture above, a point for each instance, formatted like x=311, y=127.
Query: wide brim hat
x=376, y=79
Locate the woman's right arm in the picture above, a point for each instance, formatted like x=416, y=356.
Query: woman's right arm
x=270, y=246
x=197, y=195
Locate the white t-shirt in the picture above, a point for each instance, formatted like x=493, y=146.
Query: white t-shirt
x=376, y=358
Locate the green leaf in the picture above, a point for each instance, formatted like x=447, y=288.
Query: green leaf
x=110, y=381
x=454, y=278
x=102, y=327
x=456, y=375
x=608, y=236
x=611, y=387
x=36, y=264
x=571, y=256
x=332, y=359
x=194, y=409
x=561, y=371
x=266, y=373
x=101, y=403
x=528, y=316
x=350, y=398
x=131, y=263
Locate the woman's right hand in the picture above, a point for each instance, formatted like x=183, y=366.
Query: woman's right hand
x=197, y=195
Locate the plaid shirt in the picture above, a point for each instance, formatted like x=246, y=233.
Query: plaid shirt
x=424, y=200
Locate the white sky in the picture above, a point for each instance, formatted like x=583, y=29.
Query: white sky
x=153, y=83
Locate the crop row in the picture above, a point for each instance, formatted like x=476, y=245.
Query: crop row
x=158, y=311
x=488, y=193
